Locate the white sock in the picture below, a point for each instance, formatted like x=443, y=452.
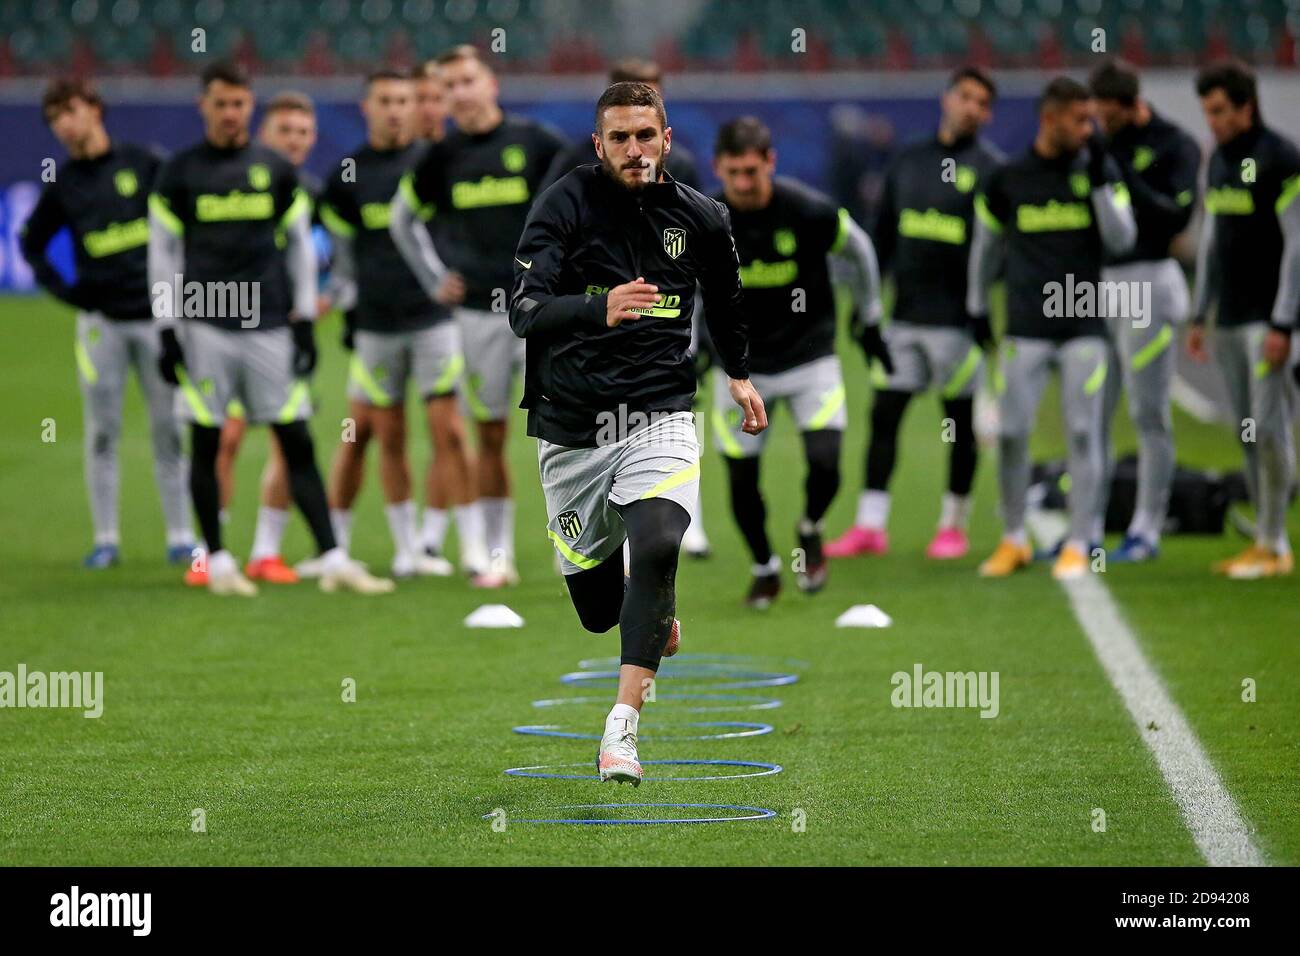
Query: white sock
x=434, y=532
x=341, y=521
x=223, y=516
x=773, y=566
x=179, y=536
x=873, y=510
x=108, y=538
x=954, y=511
x=269, y=532
x=809, y=527
x=401, y=524
x=1282, y=545
x=221, y=563
x=499, y=529
x=469, y=531
x=1017, y=537
x=1080, y=546
x=333, y=560
x=619, y=713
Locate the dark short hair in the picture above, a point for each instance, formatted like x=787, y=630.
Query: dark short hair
x=462, y=51
x=972, y=72
x=634, y=70
x=62, y=90
x=631, y=94
x=1235, y=78
x=1060, y=92
x=1115, y=80
x=428, y=70
x=743, y=135
x=227, y=71
x=290, y=101
x=385, y=73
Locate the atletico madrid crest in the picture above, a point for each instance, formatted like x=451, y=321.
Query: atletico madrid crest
x=674, y=242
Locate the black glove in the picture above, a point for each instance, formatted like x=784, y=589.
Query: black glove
x=983, y=332
x=349, y=330
x=1097, y=160
x=873, y=346
x=171, y=359
x=304, y=348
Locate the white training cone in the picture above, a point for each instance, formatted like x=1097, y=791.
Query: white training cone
x=494, y=615
x=864, y=615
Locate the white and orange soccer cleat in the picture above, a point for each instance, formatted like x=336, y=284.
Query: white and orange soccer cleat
x=617, y=759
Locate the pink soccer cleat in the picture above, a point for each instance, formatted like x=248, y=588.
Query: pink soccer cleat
x=948, y=543
x=859, y=540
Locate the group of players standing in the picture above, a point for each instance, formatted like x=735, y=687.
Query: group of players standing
x=424, y=225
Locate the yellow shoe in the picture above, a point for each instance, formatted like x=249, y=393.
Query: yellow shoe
x=1070, y=564
x=1251, y=555
x=1264, y=564
x=1007, y=559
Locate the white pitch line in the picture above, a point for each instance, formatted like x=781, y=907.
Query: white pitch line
x=1220, y=832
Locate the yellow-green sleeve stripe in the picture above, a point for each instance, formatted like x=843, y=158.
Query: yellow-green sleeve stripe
x=301, y=206
x=406, y=189
x=336, y=223
x=842, y=232
x=985, y=215
x=1290, y=190
x=162, y=211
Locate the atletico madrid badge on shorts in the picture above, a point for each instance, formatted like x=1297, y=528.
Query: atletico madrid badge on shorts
x=674, y=242
x=570, y=524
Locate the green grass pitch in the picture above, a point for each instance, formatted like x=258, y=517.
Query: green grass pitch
x=235, y=707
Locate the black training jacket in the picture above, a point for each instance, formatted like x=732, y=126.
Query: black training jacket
x=587, y=234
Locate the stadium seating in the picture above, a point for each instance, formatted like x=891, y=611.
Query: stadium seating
x=297, y=36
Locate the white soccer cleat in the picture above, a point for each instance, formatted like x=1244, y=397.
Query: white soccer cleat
x=352, y=575
x=421, y=565
x=225, y=578
x=309, y=568
x=617, y=759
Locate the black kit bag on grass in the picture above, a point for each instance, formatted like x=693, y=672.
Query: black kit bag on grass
x=1198, y=500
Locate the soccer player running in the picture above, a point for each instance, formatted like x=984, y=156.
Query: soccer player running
x=101, y=196
x=605, y=277
x=681, y=165
x=923, y=235
x=1249, y=263
x=480, y=181
x=786, y=237
x=229, y=222
x=401, y=336
x=1160, y=164
x=1053, y=215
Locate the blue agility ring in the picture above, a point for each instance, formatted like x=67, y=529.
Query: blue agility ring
x=766, y=770
x=749, y=729
x=720, y=661
x=741, y=702
x=750, y=813
x=737, y=680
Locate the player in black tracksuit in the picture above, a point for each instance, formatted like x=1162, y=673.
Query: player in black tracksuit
x=1249, y=265
x=790, y=239
x=229, y=225
x=605, y=276
x=922, y=236
x=1160, y=164
x=478, y=183
x=1054, y=213
x=100, y=195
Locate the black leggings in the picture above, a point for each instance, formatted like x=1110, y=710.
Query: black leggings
x=304, y=482
x=822, y=481
x=645, y=611
x=882, y=449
